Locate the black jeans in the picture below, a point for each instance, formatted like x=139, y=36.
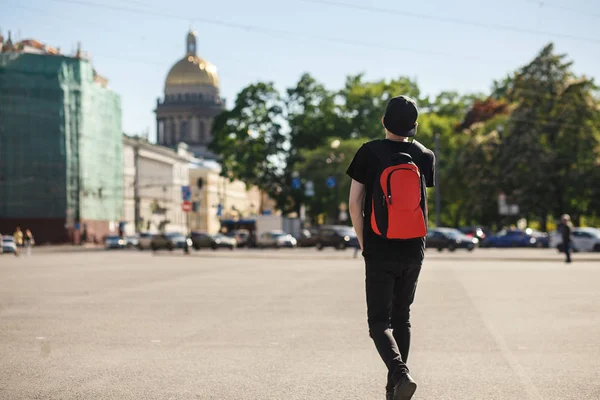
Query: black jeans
x=567, y=246
x=391, y=287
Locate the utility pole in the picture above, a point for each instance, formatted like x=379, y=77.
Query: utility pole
x=136, y=186
x=438, y=196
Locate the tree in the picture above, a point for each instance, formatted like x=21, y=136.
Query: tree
x=312, y=115
x=318, y=165
x=363, y=103
x=251, y=142
x=549, y=147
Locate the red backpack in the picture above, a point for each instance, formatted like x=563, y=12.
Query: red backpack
x=398, y=204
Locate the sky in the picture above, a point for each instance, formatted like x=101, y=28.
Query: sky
x=460, y=45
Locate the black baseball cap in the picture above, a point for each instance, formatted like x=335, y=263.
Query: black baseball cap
x=400, y=116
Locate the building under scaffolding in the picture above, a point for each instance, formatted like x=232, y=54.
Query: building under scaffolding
x=61, y=148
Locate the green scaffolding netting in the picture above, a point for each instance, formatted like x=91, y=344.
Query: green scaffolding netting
x=60, y=140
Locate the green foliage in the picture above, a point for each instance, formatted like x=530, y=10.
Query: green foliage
x=363, y=103
x=251, y=141
x=535, y=138
x=318, y=165
x=549, y=149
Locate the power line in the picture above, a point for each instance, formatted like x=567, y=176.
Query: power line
x=389, y=11
x=276, y=33
x=543, y=3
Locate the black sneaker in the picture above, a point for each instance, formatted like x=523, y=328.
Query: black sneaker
x=405, y=388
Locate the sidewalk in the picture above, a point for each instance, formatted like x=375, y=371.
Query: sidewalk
x=67, y=248
x=484, y=255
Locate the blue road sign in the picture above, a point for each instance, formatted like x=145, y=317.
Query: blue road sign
x=296, y=183
x=186, y=193
x=331, y=182
x=309, y=189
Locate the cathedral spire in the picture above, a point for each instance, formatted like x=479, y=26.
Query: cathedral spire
x=191, y=43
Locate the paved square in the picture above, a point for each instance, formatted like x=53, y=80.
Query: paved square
x=517, y=325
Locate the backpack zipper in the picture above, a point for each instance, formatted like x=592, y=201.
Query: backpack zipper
x=389, y=188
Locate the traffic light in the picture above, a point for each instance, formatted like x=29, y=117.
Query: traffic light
x=200, y=183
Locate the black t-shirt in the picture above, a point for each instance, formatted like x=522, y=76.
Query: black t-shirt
x=364, y=169
x=566, y=233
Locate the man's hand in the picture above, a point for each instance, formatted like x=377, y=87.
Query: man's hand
x=355, y=204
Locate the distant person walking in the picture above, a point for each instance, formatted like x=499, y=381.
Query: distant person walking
x=388, y=207
x=18, y=235
x=566, y=232
x=29, y=242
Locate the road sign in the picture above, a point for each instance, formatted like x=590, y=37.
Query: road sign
x=186, y=206
x=331, y=182
x=309, y=189
x=296, y=183
x=186, y=193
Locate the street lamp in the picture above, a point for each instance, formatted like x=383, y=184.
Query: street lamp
x=335, y=159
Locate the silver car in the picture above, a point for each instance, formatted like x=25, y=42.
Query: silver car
x=132, y=241
x=276, y=239
x=144, y=240
x=8, y=245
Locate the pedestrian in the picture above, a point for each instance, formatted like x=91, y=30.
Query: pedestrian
x=84, y=235
x=566, y=231
x=18, y=235
x=29, y=242
x=388, y=207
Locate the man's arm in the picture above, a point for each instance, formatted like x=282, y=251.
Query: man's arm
x=355, y=203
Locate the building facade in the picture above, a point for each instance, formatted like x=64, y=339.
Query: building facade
x=191, y=102
x=219, y=198
x=61, y=166
x=152, y=181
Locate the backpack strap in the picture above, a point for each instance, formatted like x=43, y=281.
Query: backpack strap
x=378, y=149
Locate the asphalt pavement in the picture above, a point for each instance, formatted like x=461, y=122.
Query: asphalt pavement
x=291, y=324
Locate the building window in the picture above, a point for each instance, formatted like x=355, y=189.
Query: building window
x=161, y=131
x=202, y=132
x=171, y=136
x=184, y=134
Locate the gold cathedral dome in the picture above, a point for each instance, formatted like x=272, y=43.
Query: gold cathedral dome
x=192, y=70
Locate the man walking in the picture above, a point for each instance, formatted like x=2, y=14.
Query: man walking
x=566, y=231
x=388, y=207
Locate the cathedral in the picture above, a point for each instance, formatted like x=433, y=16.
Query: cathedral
x=190, y=104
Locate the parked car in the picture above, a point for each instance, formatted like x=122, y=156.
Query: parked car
x=478, y=232
x=451, y=239
x=276, y=239
x=144, y=240
x=541, y=238
x=114, y=242
x=179, y=240
x=131, y=241
x=160, y=241
x=339, y=237
x=308, y=238
x=9, y=245
x=241, y=237
x=511, y=238
x=202, y=240
x=582, y=239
